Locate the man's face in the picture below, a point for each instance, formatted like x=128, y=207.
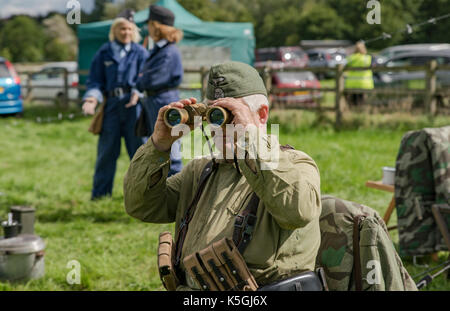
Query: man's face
x=226, y=136
x=124, y=32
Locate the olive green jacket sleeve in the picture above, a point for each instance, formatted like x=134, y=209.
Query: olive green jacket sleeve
x=148, y=194
x=287, y=181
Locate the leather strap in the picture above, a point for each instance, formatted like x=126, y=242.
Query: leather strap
x=357, y=274
x=182, y=231
x=245, y=223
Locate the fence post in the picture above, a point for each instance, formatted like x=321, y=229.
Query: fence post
x=203, y=76
x=339, y=96
x=430, y=97
x=66, y=89
x=29, y=88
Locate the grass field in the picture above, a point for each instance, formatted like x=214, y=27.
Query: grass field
x=50, y=166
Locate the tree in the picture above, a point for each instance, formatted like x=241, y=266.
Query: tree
x=432, y=32
x=24, y=39
x=203, y=9
x=322, y=22
x=111, y=9
x=61, y=42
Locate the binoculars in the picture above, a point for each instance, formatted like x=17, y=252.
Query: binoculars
x=216, y=116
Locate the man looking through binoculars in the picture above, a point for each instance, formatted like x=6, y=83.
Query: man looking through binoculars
x=271, y=215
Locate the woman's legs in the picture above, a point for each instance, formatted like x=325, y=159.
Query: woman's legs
x=108, y=150
x=132, y=142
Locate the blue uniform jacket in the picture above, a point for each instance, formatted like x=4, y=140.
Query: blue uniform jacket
x=108, y=71
x=162, y=70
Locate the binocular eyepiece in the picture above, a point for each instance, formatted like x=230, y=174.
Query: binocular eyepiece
x=216, y=116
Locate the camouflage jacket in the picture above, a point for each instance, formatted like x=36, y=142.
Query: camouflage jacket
x=381, y=266
x=422, y=178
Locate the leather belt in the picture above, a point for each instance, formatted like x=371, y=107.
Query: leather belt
x=118, y=91
x=156, y=92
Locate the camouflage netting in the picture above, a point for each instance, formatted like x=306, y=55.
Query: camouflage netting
x=376, y=249
x=422, y=178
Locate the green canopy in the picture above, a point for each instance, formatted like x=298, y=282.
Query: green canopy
x=237, y=37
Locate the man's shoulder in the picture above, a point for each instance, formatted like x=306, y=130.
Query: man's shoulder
x=295, y=155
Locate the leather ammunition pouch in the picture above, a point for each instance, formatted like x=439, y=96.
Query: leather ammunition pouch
x=306, y=281
x=165, y=265
x=220, y=267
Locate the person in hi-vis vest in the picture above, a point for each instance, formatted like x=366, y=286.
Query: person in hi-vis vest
x=360, y=79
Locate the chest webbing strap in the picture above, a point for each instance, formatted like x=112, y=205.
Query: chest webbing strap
x=245, y=223
x=182, y=231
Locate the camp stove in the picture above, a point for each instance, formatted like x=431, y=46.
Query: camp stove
x=21, y=251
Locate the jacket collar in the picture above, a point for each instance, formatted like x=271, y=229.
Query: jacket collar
x=115, y=47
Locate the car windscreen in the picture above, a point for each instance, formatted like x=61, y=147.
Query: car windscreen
x=266, y=56
x=293, y=55
x=292, y=77
x=4, y=72
x=314, y=56
x=414, y=61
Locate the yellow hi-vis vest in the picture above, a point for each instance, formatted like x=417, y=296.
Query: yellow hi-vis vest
x=359, y=79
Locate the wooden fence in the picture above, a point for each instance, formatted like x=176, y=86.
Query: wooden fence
x=430, y=92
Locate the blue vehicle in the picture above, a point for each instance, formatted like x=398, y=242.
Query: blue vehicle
x=10, y=98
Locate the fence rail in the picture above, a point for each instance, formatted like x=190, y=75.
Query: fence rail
x=430, y=92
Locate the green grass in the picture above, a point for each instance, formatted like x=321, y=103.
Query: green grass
x=50, y=166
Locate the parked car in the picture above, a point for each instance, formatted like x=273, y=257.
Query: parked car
x=413, y=79
x=48, y=82
x=295, y=79
x=326, y=57
x=277, y=57
x=394, y=51
x=10, y=98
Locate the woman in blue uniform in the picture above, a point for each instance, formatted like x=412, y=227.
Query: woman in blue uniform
x=162, y=74
x=112, y=78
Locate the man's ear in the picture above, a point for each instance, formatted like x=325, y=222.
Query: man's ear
x=263, y=113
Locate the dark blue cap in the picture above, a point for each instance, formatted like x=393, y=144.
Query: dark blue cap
x=161, y=14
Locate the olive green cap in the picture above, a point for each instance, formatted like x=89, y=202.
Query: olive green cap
x=234, y=79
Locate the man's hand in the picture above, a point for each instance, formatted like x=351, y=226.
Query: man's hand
x=89, y=106
x=240, y=110
x=133, y=100
x=162, y=137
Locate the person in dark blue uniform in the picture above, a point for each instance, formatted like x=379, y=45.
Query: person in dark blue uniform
x=112, y=79
x=162, y=74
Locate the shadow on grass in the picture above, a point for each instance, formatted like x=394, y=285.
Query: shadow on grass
x=65, y=211
x=66, y=216
x=48, y=113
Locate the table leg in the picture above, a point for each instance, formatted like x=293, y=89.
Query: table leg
x=389, y=211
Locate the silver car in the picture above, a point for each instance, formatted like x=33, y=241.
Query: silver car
x=413, y=79
x=394, y=51
x=48, y=82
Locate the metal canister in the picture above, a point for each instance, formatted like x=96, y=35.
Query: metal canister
x=24, y=215
x=22, y=258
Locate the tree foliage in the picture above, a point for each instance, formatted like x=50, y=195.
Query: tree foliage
x=22, y=39
x=22, y=36
x=276, y=23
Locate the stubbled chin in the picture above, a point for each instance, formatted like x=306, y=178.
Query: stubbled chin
x=224, y=146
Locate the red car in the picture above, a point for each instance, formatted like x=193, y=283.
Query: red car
x=278, y=57
x=295, y=79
